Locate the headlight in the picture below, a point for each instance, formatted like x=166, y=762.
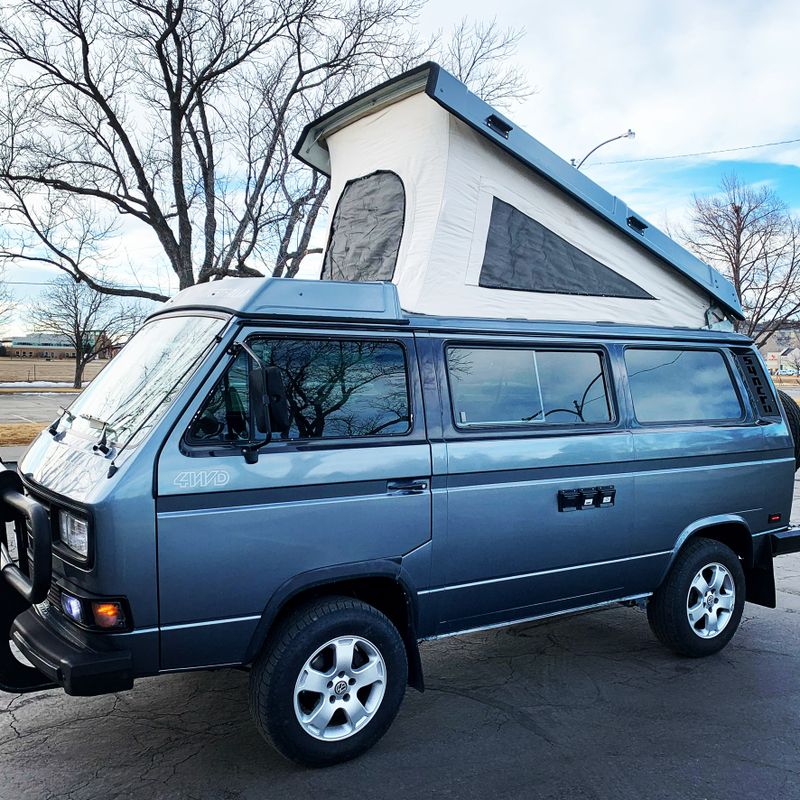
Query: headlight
x=74, y=533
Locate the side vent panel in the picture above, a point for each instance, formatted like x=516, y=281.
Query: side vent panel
x=758, y=384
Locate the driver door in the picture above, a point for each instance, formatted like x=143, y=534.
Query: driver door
x=331, y=490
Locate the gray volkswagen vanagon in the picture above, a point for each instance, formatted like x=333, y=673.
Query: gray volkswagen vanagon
x=307, y=481
x=304, y=479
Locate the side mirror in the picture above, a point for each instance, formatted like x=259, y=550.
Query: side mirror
x=259, y=399
x=279, y=416
x=269, y=406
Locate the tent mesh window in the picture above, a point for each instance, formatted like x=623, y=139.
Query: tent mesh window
x=366, y=230
x=524, y=255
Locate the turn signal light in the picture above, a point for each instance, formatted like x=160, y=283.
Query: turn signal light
x=108, y=615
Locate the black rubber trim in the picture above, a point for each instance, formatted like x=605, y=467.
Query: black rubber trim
x=785, y=542
x=319, y=320
x=330, y=576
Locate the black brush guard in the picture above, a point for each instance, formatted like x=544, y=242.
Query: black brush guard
x=24, y=583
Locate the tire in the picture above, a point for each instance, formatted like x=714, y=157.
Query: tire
x=678, y=596
x=304, y=652
x=793, y=418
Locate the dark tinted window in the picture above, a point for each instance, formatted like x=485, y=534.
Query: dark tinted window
x=681, y=385
x=523, y=254
x=335, y=389
x=518, y=386
x=366, y=230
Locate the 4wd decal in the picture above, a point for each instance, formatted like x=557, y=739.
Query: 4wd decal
x=202, y=479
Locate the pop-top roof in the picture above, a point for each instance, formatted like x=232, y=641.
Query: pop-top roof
x=433, y=81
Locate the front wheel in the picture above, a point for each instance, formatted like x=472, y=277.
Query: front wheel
x=697, y=608
x=330, y=683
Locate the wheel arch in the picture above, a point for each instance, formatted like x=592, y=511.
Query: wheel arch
x=733, y=531
x=383, y=584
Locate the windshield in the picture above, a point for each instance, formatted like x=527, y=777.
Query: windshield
x=132, y=393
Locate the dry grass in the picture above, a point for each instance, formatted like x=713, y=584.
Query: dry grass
x=37, y=369
x=17, y=433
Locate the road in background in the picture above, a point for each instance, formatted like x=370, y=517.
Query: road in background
x=33, y=407
x=792, y=391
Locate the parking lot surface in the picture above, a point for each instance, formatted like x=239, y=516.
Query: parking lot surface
x=582, y=708
x=33, y=407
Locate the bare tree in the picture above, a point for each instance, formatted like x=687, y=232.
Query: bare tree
x=750, y=236
x=175, y=119
x=91, y=322
x=177, y=115
x=7, y=303
x=480, y=54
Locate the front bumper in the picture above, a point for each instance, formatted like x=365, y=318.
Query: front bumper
x=81, y=667
x=80, y=670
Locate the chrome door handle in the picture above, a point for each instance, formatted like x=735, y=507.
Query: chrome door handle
x=407, y=486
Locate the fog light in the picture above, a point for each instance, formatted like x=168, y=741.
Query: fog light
x=74, y=533
x=108, y=615
x=72, y=607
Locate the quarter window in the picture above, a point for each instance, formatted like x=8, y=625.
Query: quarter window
x=681, y=386
x=522, y=386
x=335, y=388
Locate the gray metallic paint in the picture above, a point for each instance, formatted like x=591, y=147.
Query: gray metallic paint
x=484, y=546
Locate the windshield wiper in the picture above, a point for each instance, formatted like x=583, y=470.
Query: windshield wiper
x=105, y=427
x=65, y=412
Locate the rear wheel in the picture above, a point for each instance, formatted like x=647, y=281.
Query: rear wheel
x=330, y=683
x=697, y=608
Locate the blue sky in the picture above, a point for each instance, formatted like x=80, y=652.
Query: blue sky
x=687, y=76
x=666, y=187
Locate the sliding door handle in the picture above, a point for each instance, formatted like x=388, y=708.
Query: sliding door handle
x=407, y=486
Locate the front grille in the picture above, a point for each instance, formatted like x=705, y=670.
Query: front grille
x=54, y=596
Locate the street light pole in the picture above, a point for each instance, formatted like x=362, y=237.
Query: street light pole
x=629, y=134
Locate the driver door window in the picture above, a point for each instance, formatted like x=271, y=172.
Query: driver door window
x=335, y=389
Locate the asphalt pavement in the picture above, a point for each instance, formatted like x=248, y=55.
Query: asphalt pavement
x=33, y=406
x=586, y=707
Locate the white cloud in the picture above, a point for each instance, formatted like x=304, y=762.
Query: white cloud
x=686, y=75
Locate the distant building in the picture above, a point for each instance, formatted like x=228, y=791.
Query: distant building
x=40, y=345
x=787, y=359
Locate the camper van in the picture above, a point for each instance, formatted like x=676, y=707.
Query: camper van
x=508, y=398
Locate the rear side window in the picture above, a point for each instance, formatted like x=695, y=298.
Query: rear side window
x=335, y=388
x=524, y=255
x=681, y=386
x=523, y=386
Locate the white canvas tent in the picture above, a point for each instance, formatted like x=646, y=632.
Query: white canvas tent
x=433, y=190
